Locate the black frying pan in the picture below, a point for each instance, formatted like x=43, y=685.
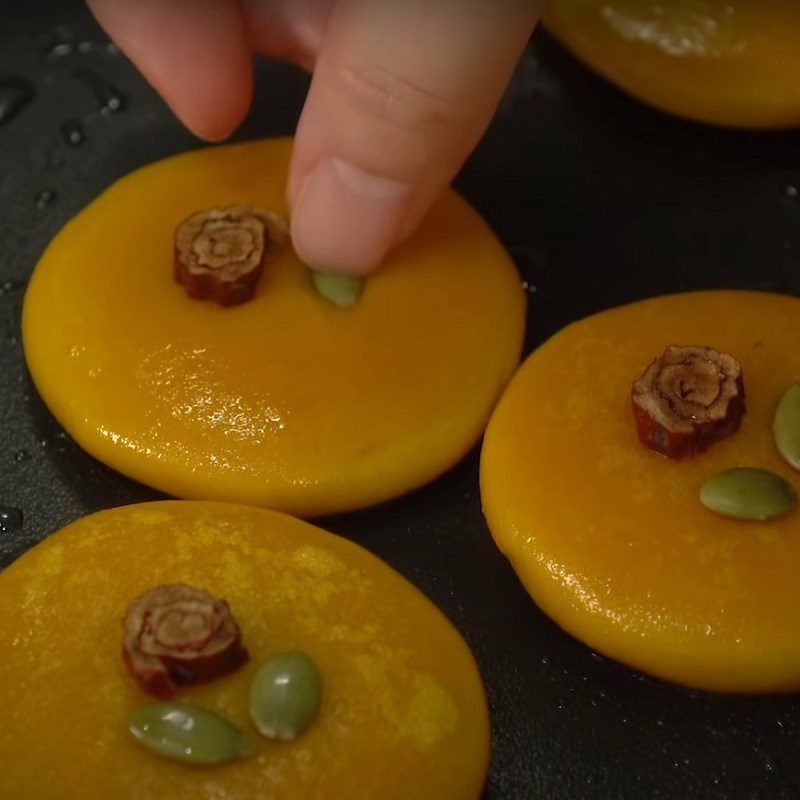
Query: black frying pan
x=601, y=201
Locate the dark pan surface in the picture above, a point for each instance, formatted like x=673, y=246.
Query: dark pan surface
x=601, y=201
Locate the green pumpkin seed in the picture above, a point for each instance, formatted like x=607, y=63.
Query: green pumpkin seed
x=188, y=733
x=285, y=695
x=341, y=290
x=749, y=493
x=786, y=427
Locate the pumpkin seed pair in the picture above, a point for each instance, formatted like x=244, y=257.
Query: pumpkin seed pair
x=758, y=494
x=284, y=698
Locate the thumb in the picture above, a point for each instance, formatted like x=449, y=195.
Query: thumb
x=402, y=92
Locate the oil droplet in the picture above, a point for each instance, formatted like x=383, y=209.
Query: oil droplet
x=110, y=98
x=790, y=190
x=73, y=132
x=10, y=519
x=21, y=455
x=14, y=96
x=45, y=198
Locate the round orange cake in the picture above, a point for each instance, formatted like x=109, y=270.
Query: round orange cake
x=610, y=538
x=403, y=713
x=727, y=62
x=286, y=401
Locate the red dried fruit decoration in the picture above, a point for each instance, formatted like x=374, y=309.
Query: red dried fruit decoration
x=176, y=635
x=220, y=254
x=688, y=399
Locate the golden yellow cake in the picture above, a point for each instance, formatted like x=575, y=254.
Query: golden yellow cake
x=610, y=538
x=403, y=713
x=285, y=401
x=727, y=62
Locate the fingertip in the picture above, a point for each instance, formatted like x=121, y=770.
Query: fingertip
x=215, y=122
x=345, y=219
x=196, y=55
x=382, y=134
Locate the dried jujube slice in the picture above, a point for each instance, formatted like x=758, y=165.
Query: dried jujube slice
x=220, y=254
x=176, y=635
x=687, y=399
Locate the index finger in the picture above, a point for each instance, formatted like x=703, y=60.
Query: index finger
x=194, y=52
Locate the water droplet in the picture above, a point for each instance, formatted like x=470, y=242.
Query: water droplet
x=790, y=190
x=768, y=761
x=73, y=132
x=10, y=519
x=14, y=96
x=45, y=198
x=110, y=98
x=21, y=455
x=59, y=50
x=64, y=49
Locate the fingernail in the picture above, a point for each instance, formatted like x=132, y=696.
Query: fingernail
x=346, y=219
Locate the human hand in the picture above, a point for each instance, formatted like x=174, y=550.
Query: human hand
x=401, y=93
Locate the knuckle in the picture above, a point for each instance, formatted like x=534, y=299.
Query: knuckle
x=378, y=95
